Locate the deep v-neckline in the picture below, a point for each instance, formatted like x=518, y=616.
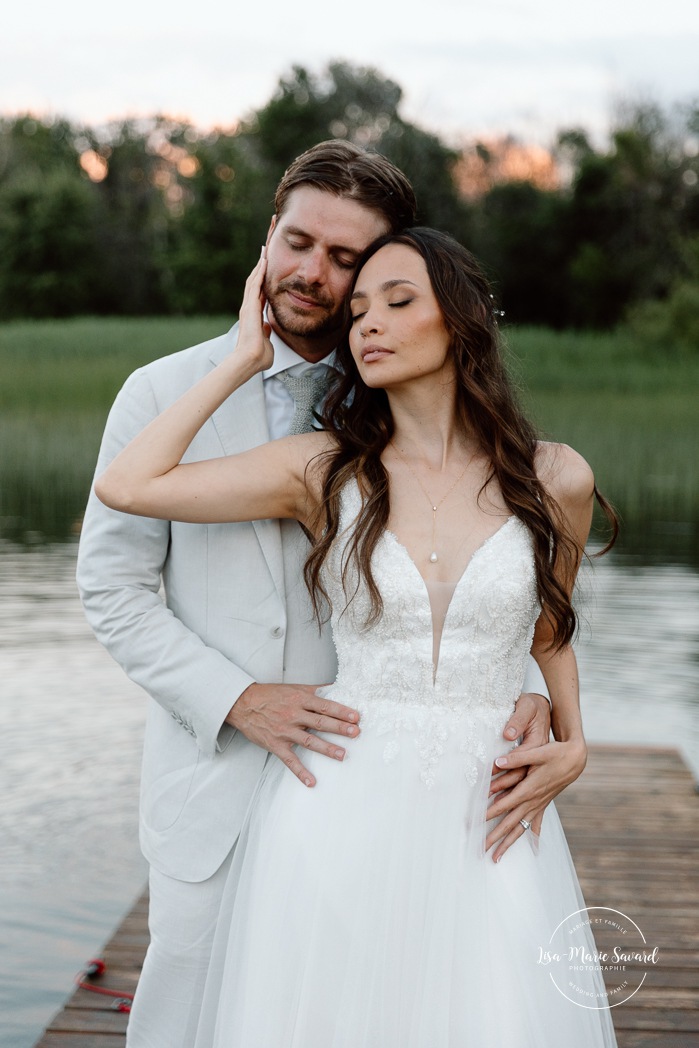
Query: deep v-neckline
x=488, y=539
x=425, y=588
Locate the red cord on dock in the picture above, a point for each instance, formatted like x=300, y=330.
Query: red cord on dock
x=92, y=970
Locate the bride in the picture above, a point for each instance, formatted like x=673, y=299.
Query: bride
x=445, y=541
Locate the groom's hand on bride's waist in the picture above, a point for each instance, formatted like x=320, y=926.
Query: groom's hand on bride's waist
x=530, y=723
x=278, y=717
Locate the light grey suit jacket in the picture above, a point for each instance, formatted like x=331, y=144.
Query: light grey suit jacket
x=235, y=610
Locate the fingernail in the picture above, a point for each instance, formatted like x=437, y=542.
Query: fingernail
x=511, y=733
x=339, y=754
x=308, y=782
x=498, y=858
x=501, y=762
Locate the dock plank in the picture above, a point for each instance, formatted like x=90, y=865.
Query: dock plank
x=632, y=823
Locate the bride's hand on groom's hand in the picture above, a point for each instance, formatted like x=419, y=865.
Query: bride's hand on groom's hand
x=279, y=717
x=531, y=723
x=529, y=726
x=254, y=332
x=548, y=769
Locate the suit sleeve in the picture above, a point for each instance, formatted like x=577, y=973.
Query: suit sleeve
x=534, y=679
x=120, y=561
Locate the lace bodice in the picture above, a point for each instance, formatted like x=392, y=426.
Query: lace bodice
x=485, y=640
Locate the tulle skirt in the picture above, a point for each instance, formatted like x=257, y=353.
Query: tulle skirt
x=365, y=913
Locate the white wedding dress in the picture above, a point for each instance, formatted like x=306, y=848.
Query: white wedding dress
x=365, y=913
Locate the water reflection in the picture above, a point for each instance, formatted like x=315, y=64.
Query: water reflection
x=658, y=539
x=639, y=654
x=72, y=726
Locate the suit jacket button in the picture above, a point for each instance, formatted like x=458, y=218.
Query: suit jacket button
x=277, y=631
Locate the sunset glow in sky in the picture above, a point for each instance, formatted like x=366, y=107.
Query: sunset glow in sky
x=527, y=67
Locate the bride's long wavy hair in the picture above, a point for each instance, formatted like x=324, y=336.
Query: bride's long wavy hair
x=360, y=419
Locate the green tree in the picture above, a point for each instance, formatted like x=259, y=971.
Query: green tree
x=360, y=105
x=518, y=233
x=48, y=246
x=134, y=217
x=625, y=217
x=33, y=147
x=671, y=325
x=228, y=206
x=344, y=101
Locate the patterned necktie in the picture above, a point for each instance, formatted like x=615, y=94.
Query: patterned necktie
x=307, y=390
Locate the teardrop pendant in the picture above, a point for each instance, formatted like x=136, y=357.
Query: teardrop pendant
x=433, y=558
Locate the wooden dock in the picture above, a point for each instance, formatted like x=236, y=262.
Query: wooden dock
x=632, y=823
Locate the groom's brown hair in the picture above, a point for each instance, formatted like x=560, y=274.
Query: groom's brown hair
x=347, y=170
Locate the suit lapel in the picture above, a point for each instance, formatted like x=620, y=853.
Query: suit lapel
x=241, y=424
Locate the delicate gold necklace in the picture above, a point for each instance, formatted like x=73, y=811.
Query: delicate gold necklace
x=434, y=506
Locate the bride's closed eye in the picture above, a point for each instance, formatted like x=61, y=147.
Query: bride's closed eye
x=391, y=305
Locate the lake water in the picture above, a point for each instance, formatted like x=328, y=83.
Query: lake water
x=70, y=729
x=71, y=726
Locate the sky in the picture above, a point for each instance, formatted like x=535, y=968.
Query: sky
x=524, y=67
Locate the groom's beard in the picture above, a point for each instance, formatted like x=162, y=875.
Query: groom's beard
x=327, y=319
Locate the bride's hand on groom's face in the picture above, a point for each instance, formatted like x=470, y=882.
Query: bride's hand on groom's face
x=253, y=331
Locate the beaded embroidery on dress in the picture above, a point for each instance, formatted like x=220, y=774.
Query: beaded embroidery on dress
x=485, y=641
x=365, y=913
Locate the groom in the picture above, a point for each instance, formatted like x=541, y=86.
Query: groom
x=229, y=653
